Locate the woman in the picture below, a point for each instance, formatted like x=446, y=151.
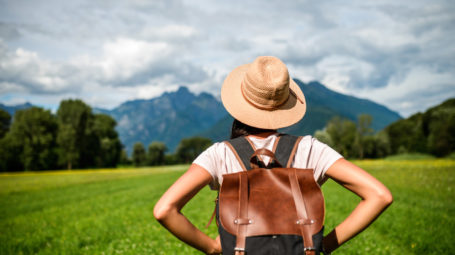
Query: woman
x=263, y=98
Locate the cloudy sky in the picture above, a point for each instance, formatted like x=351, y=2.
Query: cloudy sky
x=397, y=53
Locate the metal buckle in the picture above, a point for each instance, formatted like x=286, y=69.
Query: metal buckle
x=309, y=249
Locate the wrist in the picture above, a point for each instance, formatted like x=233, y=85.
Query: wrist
x=213, y=248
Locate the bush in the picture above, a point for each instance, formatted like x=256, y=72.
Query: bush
x=451, y=156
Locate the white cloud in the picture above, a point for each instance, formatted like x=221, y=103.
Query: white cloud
x=106, y=53
x=125, y=57
x=419, y=90
x=170, y=33
x=338, y=71
x=27, y=71
x=8, y=87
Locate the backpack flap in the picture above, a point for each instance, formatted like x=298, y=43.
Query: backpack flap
x=271, y=208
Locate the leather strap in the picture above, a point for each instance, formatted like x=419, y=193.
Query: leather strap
x=309, y=153
x=302, y=214
x=276, y=142
x=255, y=161
x=284, y=150
x=214, y=212
x=294, y=149
x=265, y=152
x=242, y=214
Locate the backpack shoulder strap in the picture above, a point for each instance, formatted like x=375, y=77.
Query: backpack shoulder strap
x=242, y=150
x=286, y=148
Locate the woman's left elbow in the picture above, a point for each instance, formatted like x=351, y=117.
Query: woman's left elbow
x=161, y=211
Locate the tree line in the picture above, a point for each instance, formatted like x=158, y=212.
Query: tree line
x=75, y=137
x=355, y=139
x=431, y=132
x=187, y=150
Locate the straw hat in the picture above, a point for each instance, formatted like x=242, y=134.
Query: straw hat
x=261, y=94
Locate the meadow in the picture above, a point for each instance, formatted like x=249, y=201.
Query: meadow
x=110, y=211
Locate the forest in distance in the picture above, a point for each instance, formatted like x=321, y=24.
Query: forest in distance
x=76, y=138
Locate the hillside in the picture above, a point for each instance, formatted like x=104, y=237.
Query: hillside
x=432, y=131
x=167, y=118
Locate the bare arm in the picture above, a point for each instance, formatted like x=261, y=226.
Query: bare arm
x=375, y=199
x=167, y=210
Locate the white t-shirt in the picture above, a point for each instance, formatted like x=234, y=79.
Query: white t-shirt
x=218, y=159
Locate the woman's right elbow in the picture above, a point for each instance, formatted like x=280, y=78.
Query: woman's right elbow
x=385, y=196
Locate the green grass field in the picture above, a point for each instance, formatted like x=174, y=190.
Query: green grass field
x=110, y=211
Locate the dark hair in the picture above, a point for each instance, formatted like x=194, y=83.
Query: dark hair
x=239, y=129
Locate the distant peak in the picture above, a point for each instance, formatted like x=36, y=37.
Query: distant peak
x=315, y=83
x=26, y=104
x=183, y=89
x=320, y=86
x=299, y=82
x=311, y=83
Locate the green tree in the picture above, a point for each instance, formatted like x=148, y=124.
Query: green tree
x=109, y=147
x=5, y=120
x=10, y=154
x=324, y=137
x=171, y=159
x=429, y=132
x=74, y=121
x=343, y=135
x=35, y=129
x=364, y=140
x=124, y=159
x=139, y=156
x=155, y=153
x=368, y=147
x=441, y=138
x=382, y=144
x=407, y=134
x=353, y=140
x=189, y=148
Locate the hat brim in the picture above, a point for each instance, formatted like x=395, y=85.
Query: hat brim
x=285, y=115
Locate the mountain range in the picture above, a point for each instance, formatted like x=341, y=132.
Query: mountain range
x=175, y=115
x=167, y=118
x=12, y=109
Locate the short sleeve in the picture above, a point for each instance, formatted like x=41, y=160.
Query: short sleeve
x=208, y=160
x=316, y=155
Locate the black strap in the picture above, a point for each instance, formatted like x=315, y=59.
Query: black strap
x=283, y=150
x=243, y=149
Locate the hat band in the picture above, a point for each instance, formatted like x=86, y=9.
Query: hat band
x=296, y=96
x=266, y=107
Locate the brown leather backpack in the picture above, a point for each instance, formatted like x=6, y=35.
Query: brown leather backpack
x=266, y=201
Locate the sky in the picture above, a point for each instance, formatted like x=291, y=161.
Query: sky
x=397, y=53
